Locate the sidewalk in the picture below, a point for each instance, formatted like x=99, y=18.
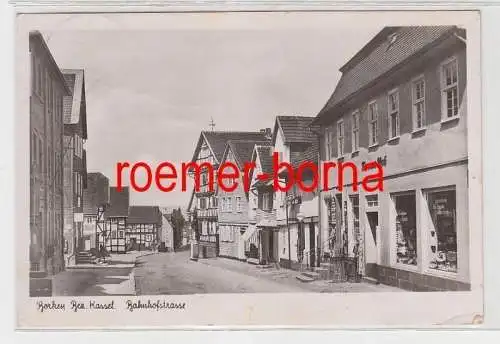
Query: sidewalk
x=288, y=277
x=116, y=260
x=115, y=277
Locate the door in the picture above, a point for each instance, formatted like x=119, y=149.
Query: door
x=373, y=221
x=312, y=245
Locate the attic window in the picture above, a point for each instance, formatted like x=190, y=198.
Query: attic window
x=391, y=40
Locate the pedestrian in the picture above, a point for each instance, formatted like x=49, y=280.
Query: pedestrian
x=102, y=253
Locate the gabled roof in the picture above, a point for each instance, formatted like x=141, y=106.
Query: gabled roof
x=96, y=193
x=118, y=202
x=262, y=156
x=74, y=104
x=242, y=150
x=382, y=55
x=310, y=154
x=217, y=140
x=295, y=129
x=144, y=214
x=37, y=38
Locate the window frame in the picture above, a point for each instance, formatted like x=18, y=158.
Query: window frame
x=239, y=205
x=355, y=117
x=340, y=138
x=415, y=102
x=391, y=112
x=373, y=136
x=393, y=226
x=426, y=257
x=445, y=88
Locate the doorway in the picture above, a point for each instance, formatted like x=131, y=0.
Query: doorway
x=312, y=245
x=373, y=222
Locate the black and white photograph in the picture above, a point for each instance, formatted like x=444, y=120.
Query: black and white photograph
x=311, y=157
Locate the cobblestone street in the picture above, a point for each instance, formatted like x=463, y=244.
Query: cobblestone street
x=174, y=273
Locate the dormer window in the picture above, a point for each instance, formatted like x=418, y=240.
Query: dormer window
x=391, y=39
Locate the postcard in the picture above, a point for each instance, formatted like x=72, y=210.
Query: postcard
x=248, y=170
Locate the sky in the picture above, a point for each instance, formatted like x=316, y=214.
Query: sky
x=150, y=93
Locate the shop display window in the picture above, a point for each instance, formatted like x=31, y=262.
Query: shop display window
x=406, y=228
x=443, y=230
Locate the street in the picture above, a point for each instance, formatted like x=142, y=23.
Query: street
x=175, y=274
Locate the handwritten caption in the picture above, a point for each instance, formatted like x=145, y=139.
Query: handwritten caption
x=93, y=305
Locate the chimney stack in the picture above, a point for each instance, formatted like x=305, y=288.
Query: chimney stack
x=268, y=133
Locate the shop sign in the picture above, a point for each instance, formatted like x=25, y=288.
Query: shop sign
x=294, y=200
x=382, y=160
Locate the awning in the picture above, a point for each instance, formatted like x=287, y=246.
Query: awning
x=248, y=233
x=266, y=223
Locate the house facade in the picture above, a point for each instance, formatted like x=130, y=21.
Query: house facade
x=260, y=238
x=74, y=162
x=296, y=142
x=233, y=205
x=203, y=207
x=166, y=234
x=48, y=89
x=144, y=225
x=95, y=201
x=115, y=216
x=401, y=101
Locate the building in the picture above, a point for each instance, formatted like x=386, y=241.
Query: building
x=74, y=162
x=166, y=234
x=144, y=225
x=203, y=204
x=115, y=217
x=296, y=142
x=261, y=237
x=95, y=200
x=233, y=206
x=48, y=89
x=401, y=101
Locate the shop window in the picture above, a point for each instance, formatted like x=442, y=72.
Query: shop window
x=355, y=212
x=406, y=228
x=443, y=231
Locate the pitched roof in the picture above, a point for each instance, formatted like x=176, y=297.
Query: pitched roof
x=96, y=193
x=310, y=154
x=119, y=202
x=74, y=104
x=295, y=129
x=266, y=159
x=242, y=150
x=217, y=140
x=144, y=214
x=382, y=55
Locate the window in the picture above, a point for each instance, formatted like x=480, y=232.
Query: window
x=449, y=89
x=355, y=131
x=113, y=234
x=214, y=201
x=239, y=206
x=418, y=98
x=393, y=105
x=329, y=143
x=203, y=203
x=340, y=138
x=406, y=228
x=372, y=201
x=121, y=234
x=443, y=230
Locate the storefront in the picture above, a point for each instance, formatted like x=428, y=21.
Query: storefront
x=415, y=238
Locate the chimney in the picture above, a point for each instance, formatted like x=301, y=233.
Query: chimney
x=268, y=133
